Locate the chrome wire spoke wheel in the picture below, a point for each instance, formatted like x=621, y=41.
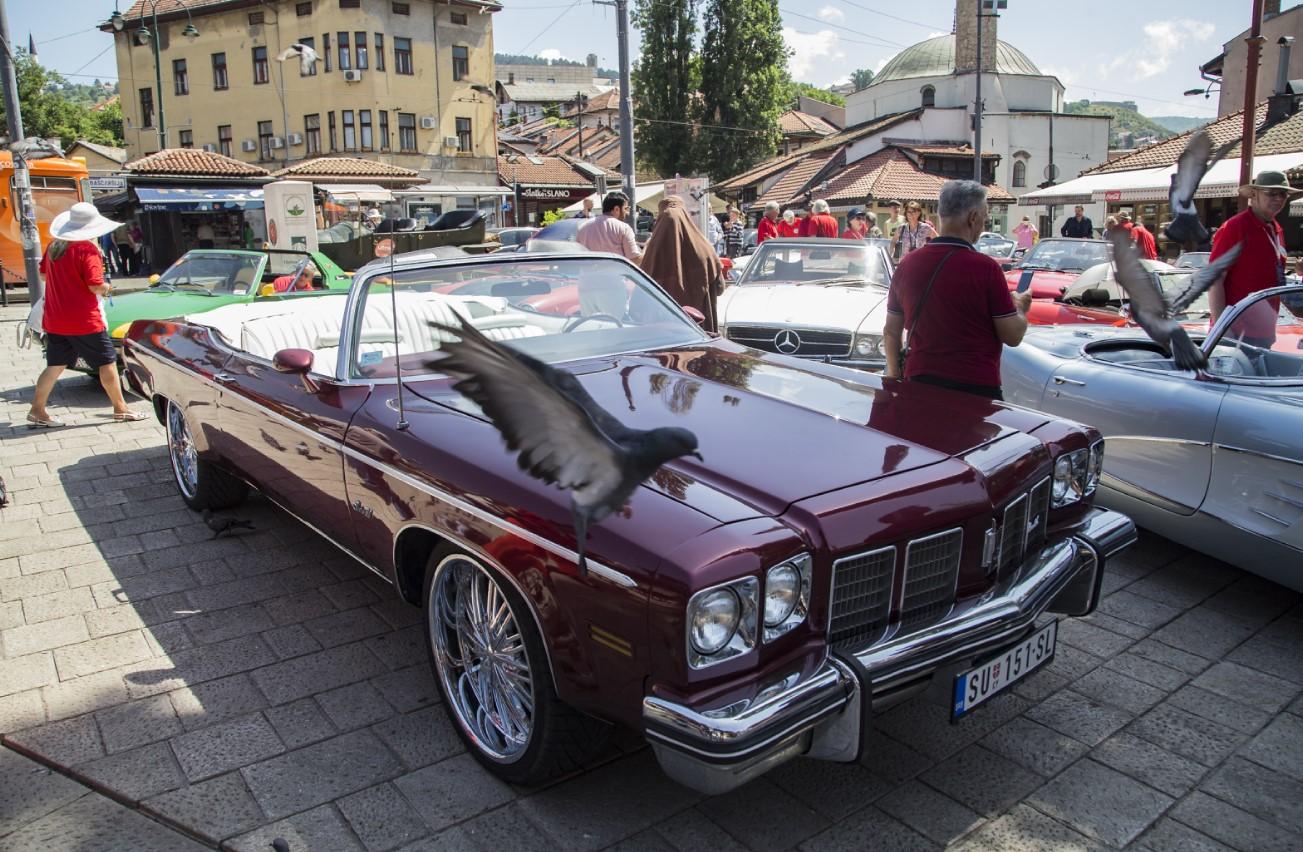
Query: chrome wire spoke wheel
x=181, y=450
x=480, y=655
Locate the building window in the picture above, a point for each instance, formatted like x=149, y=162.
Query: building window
x=402, y=56
x=264, y=140
x=302, y=9
x=464, y=135
x=380, y=51
x=224, y=139
x=312, y=132
x=330, y=130
x=325, y=50
x=384, y=130
x=187, y=138
x=312, y=43
x=260, y=74
x=407, y=131
x=350, y=132
x=255, y=18
x=180, y=80
x=929, y=96
x=1019, y=173
x=364, y=125
x=458, y=18
x=359, y=45
x=461, y=62
x=349, y=4
x=146, y=107
x=219, y=71
x=345, y=61
x=402, y=8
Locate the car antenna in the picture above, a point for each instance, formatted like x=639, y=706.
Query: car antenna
x=398, y=358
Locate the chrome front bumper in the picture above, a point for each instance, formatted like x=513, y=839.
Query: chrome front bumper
x=823, y=715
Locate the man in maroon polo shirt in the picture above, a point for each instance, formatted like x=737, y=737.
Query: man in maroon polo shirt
x=958, y=329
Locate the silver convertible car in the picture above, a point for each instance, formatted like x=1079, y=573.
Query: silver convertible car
x=1212, y=458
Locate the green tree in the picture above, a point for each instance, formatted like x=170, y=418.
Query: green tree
x=666, y=77
x=861, y=78
x=795, y=90
x=48, y=113
x=743, y=76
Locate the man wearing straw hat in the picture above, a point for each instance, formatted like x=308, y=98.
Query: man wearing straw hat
x=1261, y=264
x=72, y=320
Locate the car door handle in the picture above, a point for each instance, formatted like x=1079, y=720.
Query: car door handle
x=224, y=378
x=1060, y=380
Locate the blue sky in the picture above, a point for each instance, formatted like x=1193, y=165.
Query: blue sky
x=1101, y=49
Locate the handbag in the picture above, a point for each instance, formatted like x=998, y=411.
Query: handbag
x=918, y=310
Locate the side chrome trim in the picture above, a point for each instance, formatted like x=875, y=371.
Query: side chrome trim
x=1135, y=492
x=1289, y=501
x=1270, y=517
x=1269, y=456
x=1156, y=440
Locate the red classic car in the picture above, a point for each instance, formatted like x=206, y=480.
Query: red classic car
x=1054, y=264
x=846, y=543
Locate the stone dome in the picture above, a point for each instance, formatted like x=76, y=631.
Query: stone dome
x=936, y=58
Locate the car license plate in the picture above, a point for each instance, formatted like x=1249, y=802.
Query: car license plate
x=975, y=686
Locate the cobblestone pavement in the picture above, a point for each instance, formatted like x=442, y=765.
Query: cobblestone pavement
x=265, y=685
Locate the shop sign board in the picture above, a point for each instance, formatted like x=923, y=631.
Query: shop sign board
x=692, y=191
x=291, y=215
x=546, y=193
x=108, y=184
x=1113, y=195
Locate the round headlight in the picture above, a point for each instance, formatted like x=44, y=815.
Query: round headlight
x=782, y=592
x=1062, y=480
x=714, y=620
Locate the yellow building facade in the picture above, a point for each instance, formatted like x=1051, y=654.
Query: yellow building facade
x=407, y=83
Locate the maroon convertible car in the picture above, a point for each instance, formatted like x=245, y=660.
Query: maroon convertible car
x=846, y=543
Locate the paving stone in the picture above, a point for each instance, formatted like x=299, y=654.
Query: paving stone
x=1232, y=826
x=1185, y=582
x=1101, y=802
x=1287, y=632
x=408, y=689
x=299, y=607
x=1187, y=734
x=300, y=723
x=764, y=816
x=1155, y=651
x=210, y=627
x=1077, y=716
x=352, y=594
x=690, y=831
x=97, y=823
x=340, y=628
x=43, y=636
x=120, y=619
x=29, y=791
x=318, y=773
x=354, y=706
x=34, y=585
x=833, y=789
x=167, y=639
x=23, y=673
x=892, y=759
x=1025, y=829
x=1206, y=632
x=930, y=813
x=136, y=723
x=1040, y=685
x=1171, y=836
x=1264, y=655
x=214, y=809
x=1040, y=749
x=320, y=830
x=927, y=727
x=421, y=737
x=1247, y=686
x=138, y=773
x=1263, y=792
x=1155, y=674
x=11, y=615
x=226, y=746
x=1280, y=746
x=1252, y=600
x=222, y=659
x=68, y=743
x=1209, y=705
x=21, y=710
x=1110, y=687
x=1115, y=625
x=1070, y=662
x=400, y=649
x=1138, y=609
x=205, y=703
x=869, y=829
x=508, y=829
x=96, y=655
x=251, y=589
x=292, y=640
x=382, y=818
x=1155, y=766
x=291, y=679
x=982, y=780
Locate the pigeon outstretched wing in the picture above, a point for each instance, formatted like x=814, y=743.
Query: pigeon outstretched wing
x=1204, y=278
x=306, y=55
x=1148, y=306
x=1194, y=162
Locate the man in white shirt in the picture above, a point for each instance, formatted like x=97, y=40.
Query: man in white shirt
x=204, y=234
x=609, y=232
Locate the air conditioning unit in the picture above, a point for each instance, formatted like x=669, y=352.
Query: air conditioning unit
x=450, y=141
x=353, y=76
x=248, y=145
x=277, y=142
x=210, y=148
x=427, y=122
x=296, y=138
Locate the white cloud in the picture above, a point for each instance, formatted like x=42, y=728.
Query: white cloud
x=551, y=53
x=937, y=34
x=832, y=14
x=879, y=65
x=817, y=58
x=1162, y=39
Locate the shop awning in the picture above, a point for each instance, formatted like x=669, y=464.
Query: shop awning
x=1076, y=191
x=1221, y=181
x=182, y=200
x=450, y=189
x=361, y=191
x=108, y=203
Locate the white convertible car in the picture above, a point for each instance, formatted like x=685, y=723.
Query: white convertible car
x=823, y=299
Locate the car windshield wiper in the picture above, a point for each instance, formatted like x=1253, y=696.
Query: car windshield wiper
x=843, y=279
x=1035, y=266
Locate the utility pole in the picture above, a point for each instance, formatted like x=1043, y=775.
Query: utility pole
x=22, y=179
x=579, y=104
x=626, y=106
x=1254, y=42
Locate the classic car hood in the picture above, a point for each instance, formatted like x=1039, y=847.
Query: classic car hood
x=160, y=304
x=773, y=431
x=1046, y=284
x=800, y=304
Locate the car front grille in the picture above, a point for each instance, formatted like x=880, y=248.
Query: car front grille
x=861, y=596
x=931, y=573
x=809, y=342
x=1022, y=527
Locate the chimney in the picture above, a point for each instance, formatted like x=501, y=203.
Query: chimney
x=1281, y=104
x=966, y=36
x=1270, y=9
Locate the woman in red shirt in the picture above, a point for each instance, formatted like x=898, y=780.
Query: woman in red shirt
x=72, y=320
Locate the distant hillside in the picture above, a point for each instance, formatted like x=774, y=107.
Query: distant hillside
x=521, y=59
x=1124, y=121
x=1179, y=123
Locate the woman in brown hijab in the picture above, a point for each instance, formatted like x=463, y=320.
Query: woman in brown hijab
x=679, y=258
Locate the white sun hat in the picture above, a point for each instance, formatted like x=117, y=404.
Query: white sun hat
x=81, y=221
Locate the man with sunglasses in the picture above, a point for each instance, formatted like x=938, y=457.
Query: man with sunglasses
x=1261, y=264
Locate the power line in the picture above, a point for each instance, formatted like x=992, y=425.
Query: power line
x=555, y=21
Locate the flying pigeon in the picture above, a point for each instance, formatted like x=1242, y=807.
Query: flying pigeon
x=563, y=435
x=1202, y=279
x=1194, y=163
x=221, y=525
x=306, y=55
x=1149, y=306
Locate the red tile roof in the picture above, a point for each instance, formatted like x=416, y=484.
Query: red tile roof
x=349, y=169
x=193, y=162
x=541, y=171
x=950, y=151
x=890, y=173
x=794, y=180
x=797, y=123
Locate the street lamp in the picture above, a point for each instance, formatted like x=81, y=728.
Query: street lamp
x=145, y=34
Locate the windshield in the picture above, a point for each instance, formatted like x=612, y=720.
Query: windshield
x=995, y=248
x=852, y=262
x=1192, y=259
x=556, y=310
x=1065, y=255
x=218, y=274
x=1174, y=283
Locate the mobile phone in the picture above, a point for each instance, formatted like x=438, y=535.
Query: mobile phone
x=1025, y=281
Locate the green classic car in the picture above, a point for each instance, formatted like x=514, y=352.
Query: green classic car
x=204, y=279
